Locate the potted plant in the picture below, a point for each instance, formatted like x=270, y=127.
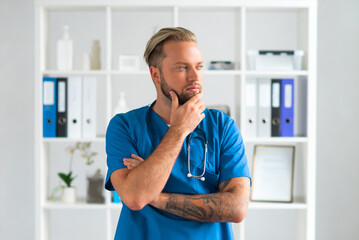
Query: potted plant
x=68, y=192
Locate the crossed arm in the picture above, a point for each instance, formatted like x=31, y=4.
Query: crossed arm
x=230, y=204
x=142, y=182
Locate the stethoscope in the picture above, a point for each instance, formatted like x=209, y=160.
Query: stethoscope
x=189, y=139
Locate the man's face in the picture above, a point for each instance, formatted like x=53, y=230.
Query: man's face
x=181, y=70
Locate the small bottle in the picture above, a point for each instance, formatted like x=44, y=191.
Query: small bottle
x=95, y=55
x=86, y=62
x=122, y=105
x=65, y=51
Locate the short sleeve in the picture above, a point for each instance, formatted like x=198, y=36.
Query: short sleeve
x=233, y=160
x=119, y=145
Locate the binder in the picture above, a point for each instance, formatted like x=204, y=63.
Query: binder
x=89, y=102
x=61, y=107
x=49, y=107
x=275, y=111
x=264, y=108
x=287, y=108
x=74, y=107
x=251, y=108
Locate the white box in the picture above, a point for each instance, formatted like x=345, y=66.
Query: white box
x=278, y=60
x=129, y=63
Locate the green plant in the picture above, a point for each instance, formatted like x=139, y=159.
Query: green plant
x=85, y=152
x=67, y=178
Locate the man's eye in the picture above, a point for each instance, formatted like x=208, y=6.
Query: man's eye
x=200, y=67
x=182, y=67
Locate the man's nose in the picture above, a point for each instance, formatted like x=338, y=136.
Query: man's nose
x=193, y=74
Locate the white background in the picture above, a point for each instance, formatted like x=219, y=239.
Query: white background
x=337, y=133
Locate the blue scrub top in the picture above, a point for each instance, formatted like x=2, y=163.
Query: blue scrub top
x=139, y=132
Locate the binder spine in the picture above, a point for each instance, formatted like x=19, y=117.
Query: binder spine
x=49, y=107
x=276, y=109
x=264, y=108
x=61, y=107
x=287, y=108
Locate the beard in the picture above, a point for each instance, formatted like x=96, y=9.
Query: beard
x=183, y=97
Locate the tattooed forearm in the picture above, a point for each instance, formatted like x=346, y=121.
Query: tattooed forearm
x=228, y=205
x=215, y=207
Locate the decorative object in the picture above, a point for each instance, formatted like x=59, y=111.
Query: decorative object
x=95, y=183
x=221, y=65
x=121, y=105
x=65, y=51
x=129, y=63
x=95, y=55
x=272, y=173
x=86, y=62
x=68, y=192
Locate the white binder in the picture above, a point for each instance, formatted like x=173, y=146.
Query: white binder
x=89, y=107
x=264, y=108
x=74, y=107
x=251, y=108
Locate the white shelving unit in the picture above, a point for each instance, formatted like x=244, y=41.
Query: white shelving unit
x=225, y=31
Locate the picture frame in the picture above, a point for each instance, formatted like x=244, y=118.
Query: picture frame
x=273, y=173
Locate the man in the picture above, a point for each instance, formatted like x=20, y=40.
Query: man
x=179, y=168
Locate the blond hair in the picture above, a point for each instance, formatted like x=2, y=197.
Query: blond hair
x=154, y=49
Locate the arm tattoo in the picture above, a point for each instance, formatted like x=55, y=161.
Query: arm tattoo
x=197, y=207
x=214, y=207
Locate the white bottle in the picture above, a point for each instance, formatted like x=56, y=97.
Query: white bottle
x=122, y=105
x=65, y=51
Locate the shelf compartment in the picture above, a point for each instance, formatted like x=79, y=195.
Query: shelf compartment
x=126, y=37
x=85, y=25
x=282, y=29
x=224, y=45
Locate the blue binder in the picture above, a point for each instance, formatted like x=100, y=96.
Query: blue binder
x=287, y=108
x=49, y=99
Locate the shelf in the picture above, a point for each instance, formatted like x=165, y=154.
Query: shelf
x=276, y=73
x=222, y=72
x=277, y=140
x=205, y=72
x=270, y=205
x=65, y=140
x=139, y=72
x=80, y=204
x=79, y=72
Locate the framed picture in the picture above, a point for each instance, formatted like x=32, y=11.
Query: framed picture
x=272, y=173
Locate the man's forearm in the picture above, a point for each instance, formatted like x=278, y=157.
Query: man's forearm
x=215, y=207
x=147, y=180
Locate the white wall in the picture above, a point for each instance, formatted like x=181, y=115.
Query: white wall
x=338, y=114
x=16, y=120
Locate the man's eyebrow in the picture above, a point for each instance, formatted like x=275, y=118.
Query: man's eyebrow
x=185, y=63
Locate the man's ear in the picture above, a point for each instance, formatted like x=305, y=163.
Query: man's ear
x=155, y=74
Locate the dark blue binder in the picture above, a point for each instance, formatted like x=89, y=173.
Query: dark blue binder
x=49, y=99
x=287, y=108
x=276, y=107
